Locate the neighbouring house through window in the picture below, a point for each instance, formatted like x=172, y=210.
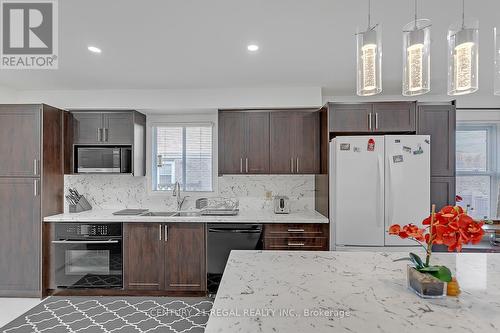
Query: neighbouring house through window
x=477, y=168
x=184, y=154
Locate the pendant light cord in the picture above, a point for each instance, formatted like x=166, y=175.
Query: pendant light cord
x=463, y=14
x=369, y=14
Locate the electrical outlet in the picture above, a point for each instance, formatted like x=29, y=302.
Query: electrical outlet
x=269, y=195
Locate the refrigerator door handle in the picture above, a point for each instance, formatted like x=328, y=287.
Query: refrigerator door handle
x=390, y=207
x=380, y=186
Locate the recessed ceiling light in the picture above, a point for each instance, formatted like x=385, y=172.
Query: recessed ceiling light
x=253, y=47
x=94, y=49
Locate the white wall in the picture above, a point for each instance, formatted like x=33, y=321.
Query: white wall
x=7, y=95
x=177, y=99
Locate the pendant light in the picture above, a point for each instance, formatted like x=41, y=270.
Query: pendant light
x=416, y=56
x=463, y=56
x=496, y=32
x=369, y=59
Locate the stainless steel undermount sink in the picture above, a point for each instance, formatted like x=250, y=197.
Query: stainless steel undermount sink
x=186, y=214
x=159, y=214
x=172, y=214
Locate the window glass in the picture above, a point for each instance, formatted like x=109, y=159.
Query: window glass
x=182, y=154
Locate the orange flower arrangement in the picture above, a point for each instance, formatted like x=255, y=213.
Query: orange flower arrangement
x=451, y=226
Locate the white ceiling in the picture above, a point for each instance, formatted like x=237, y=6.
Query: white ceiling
x=188, y=44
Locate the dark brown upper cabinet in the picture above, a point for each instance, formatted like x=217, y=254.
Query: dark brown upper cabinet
x=20, y=141
x=439, y=121
x=243, y=142
x=295, y=142
x=350, y=117
x=95, y=128
x=165, y=257
x=385, y=117
x=103, y=127
x=393, y=117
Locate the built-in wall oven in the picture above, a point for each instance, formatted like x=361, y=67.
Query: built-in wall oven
x=103, y=159
x=88, y=255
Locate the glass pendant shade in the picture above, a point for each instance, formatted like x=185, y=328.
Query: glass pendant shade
x=463, y=58
x=416, y=57
x=369, y=62
x=497, y=60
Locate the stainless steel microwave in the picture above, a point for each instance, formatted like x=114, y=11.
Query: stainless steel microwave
x=103, y=159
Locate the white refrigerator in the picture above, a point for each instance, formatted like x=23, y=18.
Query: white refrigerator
x=377, y=181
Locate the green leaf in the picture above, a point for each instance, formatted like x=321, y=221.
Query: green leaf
x=416, y=260
x=428, y=269
x=443, y=274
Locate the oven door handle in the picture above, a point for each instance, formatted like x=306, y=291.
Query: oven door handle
x=111, y=241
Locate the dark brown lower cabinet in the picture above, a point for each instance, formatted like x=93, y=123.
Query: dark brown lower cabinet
x=20, y=237
x=143, y=256
x=165, y=257
x=296, y=237
x=185, y=257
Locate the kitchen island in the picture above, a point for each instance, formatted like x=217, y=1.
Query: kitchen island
x=268, y=291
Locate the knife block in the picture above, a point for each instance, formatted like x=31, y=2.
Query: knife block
x=81, y=206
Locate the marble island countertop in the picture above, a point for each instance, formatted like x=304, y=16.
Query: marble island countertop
x=106, y=215
x=268, y=291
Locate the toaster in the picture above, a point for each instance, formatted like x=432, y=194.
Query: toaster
x=281, y=204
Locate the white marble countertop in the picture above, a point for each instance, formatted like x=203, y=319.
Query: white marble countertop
x=350, y=292
x=104, y=215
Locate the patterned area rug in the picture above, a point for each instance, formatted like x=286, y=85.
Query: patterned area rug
x=114, y=314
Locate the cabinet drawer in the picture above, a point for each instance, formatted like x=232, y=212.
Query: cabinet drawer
x=296, y=243
x=297, y=230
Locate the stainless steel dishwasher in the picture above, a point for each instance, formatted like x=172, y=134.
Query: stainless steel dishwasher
x=224, y=237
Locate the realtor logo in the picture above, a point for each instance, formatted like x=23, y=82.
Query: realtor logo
x=28, y=34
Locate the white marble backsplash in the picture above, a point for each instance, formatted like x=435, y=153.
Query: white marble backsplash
x=124, y=191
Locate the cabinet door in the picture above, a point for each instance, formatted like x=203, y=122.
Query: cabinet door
x=118, y=128
x=87, y=128
x=439, y=121
x=350, y=118
x=393, y=117
x=19, y=141
x=257, y=142
x=143, y=254
x=282, y=142
x=20, y=237
x=185, y=260
x=442, y=191
x=306, y=136
x=231, y=142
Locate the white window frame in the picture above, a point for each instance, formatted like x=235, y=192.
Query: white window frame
x=190, y=119
x=492, y=156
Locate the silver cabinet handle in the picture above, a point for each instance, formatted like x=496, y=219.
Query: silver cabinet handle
x=296, y=230
x=370, y=121
x=85, y=242
x=143, y=284
x=35, y=187
x=296, y=244
x=297, y=165
x=246, y=164
x=166, y=232
x=376, y=120
x=35, y=167
x=185, y=285
x=106, y=134
x=160, y=231
x=291, y=164
x=241, y=165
